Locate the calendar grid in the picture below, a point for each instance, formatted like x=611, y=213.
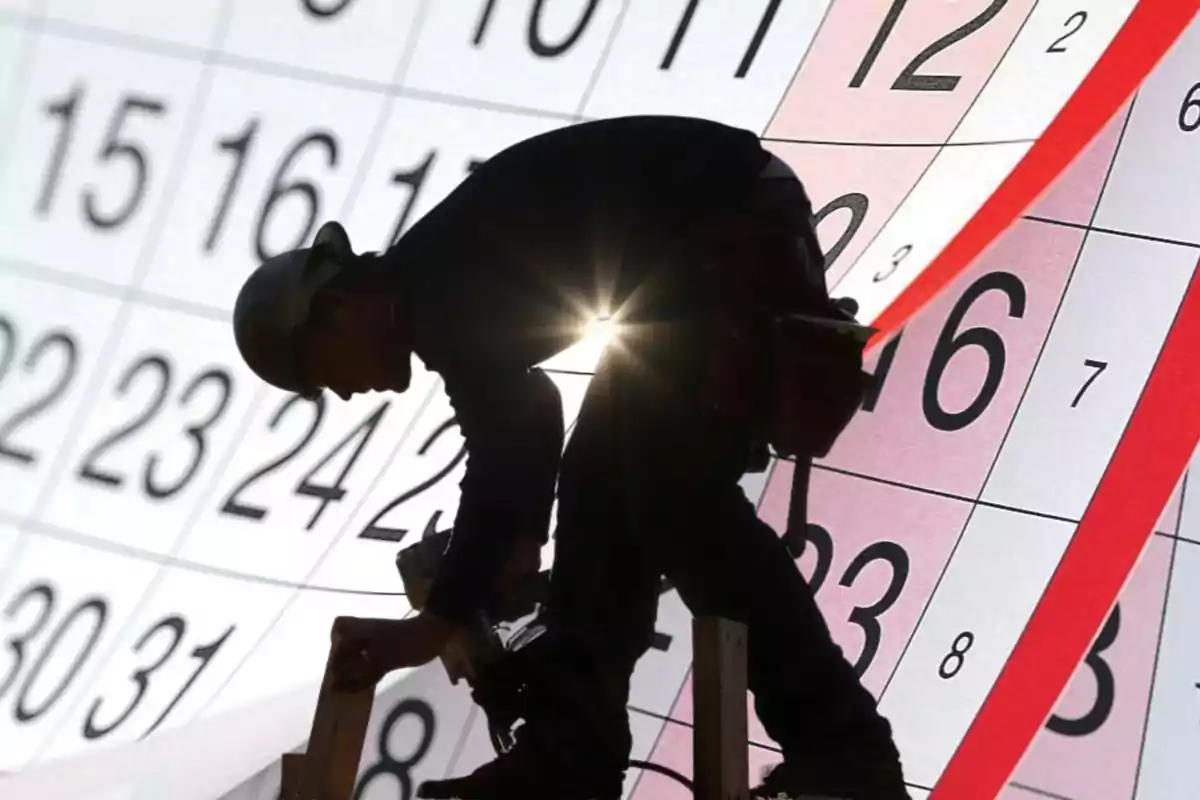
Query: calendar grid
x=1041, y=792
x=586, y=96
x=124, y=309
x=1162, y=629
x=132, y=295
x=929, y=601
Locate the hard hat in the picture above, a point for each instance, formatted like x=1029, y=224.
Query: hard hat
x=274, y=303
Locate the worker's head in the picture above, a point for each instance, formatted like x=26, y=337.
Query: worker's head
x=319, y=318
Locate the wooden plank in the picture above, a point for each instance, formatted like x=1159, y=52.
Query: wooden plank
x=719, y=747
x=335, y=743
x=291, y=776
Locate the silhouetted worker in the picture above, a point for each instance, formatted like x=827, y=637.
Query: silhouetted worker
x=690, y=237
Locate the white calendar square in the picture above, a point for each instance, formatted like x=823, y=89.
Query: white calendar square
x=1107, y=334
x=1002, y=565
x=157, y=433
x=528, y=53
x=728, y=61
x=1155, y=183
x=356, y=38
x=64, y=605
x=273, y=158
x=173, y=652
x=52, y=339
x=1056, y=47
x=98, y=131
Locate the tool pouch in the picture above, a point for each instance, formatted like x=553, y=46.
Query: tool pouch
x=818, y=383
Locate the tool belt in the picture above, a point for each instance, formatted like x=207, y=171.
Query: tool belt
x=785, y=359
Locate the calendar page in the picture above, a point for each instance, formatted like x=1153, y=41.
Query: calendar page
x=1004, y=186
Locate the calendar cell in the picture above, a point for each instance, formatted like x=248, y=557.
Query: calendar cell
x=426, y=150
x=357, y=38
x=1169, y=768
x=730, y=63
x=1073, y=195
x=195, y=24
x=854, y=192
x=51, y=338
x=173, y=403
x=1153, y=187
x=1057, y=46
x=996, y=575
x=303, y=470
x=896, y=72
x=525, y=53
x=417, y=490
x=871, y=578
x=184, y=639
x=950, y=381
x=272, y=159
x=644, y=730
x=1106, y=337
x=414, y=731
x=92, y=151
x=62, y=610
x=945, y=198
x=1091, y=744
x=290, y=656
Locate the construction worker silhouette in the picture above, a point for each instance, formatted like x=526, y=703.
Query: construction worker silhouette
x=692, y=238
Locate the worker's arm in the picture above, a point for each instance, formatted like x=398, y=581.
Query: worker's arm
x=512, y=424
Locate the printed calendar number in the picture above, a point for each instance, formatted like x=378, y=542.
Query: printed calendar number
x=909, y=79
x=400, y=769
x=348, y=449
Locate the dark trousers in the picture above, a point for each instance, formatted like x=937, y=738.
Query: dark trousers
x=649, y=487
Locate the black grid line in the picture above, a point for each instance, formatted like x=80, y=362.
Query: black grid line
x=1145, y=237
x=1040, y=792
x=1008, y=429
x=787, y=90
x=62, y=534
x=605, y=52
x=1162, y=630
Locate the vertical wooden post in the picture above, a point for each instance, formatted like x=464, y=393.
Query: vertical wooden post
x=719, y=748
x=329, y=768
x=291, y=776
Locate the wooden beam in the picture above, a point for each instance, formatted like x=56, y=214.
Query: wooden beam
x=329, y=768
x=719, y=747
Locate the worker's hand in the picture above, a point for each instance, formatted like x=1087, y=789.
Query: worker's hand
x=368, y=649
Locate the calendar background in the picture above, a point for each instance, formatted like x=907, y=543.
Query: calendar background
x=177, y=537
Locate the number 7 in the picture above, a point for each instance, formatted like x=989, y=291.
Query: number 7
x=1096, y=365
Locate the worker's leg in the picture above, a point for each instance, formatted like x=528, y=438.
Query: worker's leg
x=681, y=467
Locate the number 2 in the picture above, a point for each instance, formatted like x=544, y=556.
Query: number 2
x=1057, y=46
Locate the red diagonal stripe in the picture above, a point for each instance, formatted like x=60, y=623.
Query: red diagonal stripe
x=1150, y=30
x=1153, y=452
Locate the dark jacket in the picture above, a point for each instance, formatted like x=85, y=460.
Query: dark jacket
x=502, y=274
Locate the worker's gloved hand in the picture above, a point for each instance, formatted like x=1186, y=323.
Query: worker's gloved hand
x=368, y=649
